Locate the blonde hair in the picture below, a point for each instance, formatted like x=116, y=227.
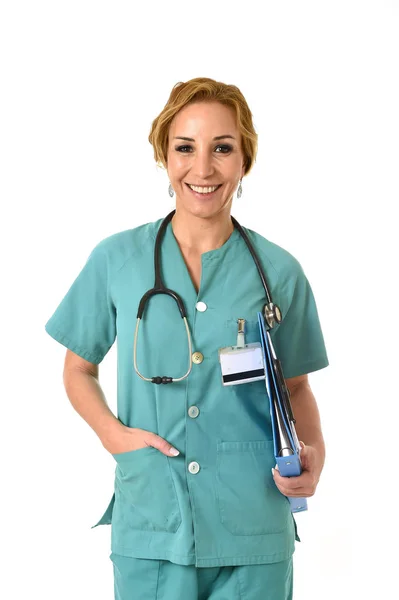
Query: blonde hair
x=203, y=89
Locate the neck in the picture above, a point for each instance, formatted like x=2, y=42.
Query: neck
x=200, y=235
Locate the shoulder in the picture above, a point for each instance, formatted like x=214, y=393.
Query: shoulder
x=286, y=265
x=117, y=248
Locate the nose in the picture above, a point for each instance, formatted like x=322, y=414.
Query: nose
x=202, y=167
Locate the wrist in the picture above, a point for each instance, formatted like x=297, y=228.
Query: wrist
x=319, y=457
x=110, y=430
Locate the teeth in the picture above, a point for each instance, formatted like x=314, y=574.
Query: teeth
x=203, y=190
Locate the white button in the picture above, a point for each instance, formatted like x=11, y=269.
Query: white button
x=201, y=306
x=193, y=467
x=193, y=411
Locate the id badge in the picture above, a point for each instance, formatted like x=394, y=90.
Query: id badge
x=242, y=363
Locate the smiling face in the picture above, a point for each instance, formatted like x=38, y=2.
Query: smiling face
x=203, y=160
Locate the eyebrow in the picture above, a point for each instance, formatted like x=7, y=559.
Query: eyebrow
x=218, y=137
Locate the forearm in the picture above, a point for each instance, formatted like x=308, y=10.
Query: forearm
x=308, y=424
x=88, y=399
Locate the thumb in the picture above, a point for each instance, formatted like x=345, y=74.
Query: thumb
x=163, y=446
x=304, y=457
x=302, y=452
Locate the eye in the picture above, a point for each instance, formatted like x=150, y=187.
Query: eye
x=226, y=148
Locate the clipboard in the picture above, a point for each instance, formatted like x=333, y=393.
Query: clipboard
x=286, y=444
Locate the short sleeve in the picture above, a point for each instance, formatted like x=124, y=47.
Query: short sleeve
x=85, y=320
x=298, y=340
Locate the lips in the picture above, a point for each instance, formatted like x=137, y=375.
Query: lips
x=204, y=197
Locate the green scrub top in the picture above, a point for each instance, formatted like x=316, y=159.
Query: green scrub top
x=216, y=503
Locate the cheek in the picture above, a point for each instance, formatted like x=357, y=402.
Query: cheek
x=176, y=165
x=233, y=173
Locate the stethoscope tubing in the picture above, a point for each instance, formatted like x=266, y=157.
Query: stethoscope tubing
x=163, y=379
x=271, y=311
x=255, y=258
x=159, y=287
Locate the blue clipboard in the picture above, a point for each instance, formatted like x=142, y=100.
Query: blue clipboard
x=286, y=443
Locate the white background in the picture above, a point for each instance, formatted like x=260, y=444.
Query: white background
x=81, y=83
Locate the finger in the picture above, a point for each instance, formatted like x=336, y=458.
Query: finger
x=291, y=483
x=297, y=493
x=162, y=445
x=304, y=491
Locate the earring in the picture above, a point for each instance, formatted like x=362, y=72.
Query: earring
x=239, y=191
x=171, y=191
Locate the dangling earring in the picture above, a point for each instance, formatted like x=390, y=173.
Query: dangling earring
x=171, y=191
x=239, y=191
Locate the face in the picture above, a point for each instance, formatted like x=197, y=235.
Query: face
x=196, y=158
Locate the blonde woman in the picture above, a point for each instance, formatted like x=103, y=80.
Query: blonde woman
x=196, y=511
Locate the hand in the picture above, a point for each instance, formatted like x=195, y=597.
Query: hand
x=126, y=439
x=305, y=484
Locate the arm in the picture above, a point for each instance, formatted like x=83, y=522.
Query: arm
x=86, y=396
x=309, y=432
x=84, y=391
x=307, y=417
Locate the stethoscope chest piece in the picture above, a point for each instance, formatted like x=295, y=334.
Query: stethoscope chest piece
x=272, y=314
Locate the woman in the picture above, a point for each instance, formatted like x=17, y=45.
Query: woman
x=196, y=510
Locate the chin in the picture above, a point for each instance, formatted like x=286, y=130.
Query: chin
x=202, y=211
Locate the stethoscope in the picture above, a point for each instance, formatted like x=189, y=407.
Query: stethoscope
x=270, y=311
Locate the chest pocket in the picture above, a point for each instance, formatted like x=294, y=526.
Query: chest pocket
x=249, y=501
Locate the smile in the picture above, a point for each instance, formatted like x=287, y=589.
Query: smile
x=203, y=191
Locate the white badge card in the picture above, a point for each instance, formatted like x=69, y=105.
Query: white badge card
x=242, y=363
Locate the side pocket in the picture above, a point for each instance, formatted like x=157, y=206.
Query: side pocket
x=145, y=493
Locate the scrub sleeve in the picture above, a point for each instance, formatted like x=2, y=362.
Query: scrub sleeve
x=298, y=340
x=85, y=320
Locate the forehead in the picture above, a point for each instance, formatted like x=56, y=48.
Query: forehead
x=204, y=118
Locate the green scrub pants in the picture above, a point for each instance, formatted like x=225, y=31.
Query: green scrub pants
x=151, y=579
